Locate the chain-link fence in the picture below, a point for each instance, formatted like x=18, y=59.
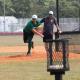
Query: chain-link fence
x=68, y=13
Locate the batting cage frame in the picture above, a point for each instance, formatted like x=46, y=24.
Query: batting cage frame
x=57, y=60
x=60, y=40
x=69, y=23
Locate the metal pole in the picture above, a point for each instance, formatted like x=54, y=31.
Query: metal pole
x=4, y=15
x=58, y=76
x=79, y=19
x=57, y=33
x=57, y=10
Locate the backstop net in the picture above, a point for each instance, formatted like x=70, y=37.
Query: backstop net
x=69, y=15
x=69, y=22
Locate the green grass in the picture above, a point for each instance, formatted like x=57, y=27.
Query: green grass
x=11, y=40
x=35, y=71
x=74, y=72
x=24, y=71
x=17, y=40
x=12, y=53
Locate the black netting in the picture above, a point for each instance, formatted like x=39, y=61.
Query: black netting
x=69, y=15
x=58, y=57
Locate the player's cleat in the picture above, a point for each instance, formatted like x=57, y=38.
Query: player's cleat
x=28, y=54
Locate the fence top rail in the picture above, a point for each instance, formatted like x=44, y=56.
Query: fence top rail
x=70, y=32
x=57, y=40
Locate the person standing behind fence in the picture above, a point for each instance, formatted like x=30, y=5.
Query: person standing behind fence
x=29, y=31
x=48, y=33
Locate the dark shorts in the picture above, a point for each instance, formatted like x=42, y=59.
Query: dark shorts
x=47, y=37
x=27, y=37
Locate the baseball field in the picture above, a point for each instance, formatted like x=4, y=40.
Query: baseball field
x=15, y=65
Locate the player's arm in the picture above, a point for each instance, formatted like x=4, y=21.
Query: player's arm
x=42, y=20
x=39, y=27
x=57, y=26
x=36, y=32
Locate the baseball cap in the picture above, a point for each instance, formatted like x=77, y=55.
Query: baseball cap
x=51, y=12
x=34, y=17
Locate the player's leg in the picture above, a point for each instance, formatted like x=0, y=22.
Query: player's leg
x=27, y=38
x=48, y=48
x=47, y=52
x=29, y=48
x=30, y=44
x=24, y=37
x=50, y=51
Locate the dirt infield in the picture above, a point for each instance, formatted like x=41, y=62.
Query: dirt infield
x=38, y=53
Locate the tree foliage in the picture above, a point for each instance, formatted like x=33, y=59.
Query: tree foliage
x=25, y=8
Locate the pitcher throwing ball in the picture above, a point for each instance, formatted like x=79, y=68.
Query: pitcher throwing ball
x=29, y=31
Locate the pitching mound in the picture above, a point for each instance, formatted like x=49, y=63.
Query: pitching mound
x=38, y=53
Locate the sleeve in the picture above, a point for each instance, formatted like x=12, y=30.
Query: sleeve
x=43, y=20
x=38, y=23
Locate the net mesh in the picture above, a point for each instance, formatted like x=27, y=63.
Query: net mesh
x=58, y=55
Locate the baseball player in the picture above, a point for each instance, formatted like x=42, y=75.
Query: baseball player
x=29, y=31
x=48, y=33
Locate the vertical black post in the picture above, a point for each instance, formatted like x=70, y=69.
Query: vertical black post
x=58, y=76
x=57, y=15
x=57, y=10
x=79, y=19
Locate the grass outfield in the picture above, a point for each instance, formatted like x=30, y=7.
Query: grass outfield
x=32, y=70
x=35, y=71
x=17, y=40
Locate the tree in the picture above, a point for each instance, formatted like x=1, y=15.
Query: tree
x=25, y=8
x=21, y=8
x=1, y=8
x=69, y=8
